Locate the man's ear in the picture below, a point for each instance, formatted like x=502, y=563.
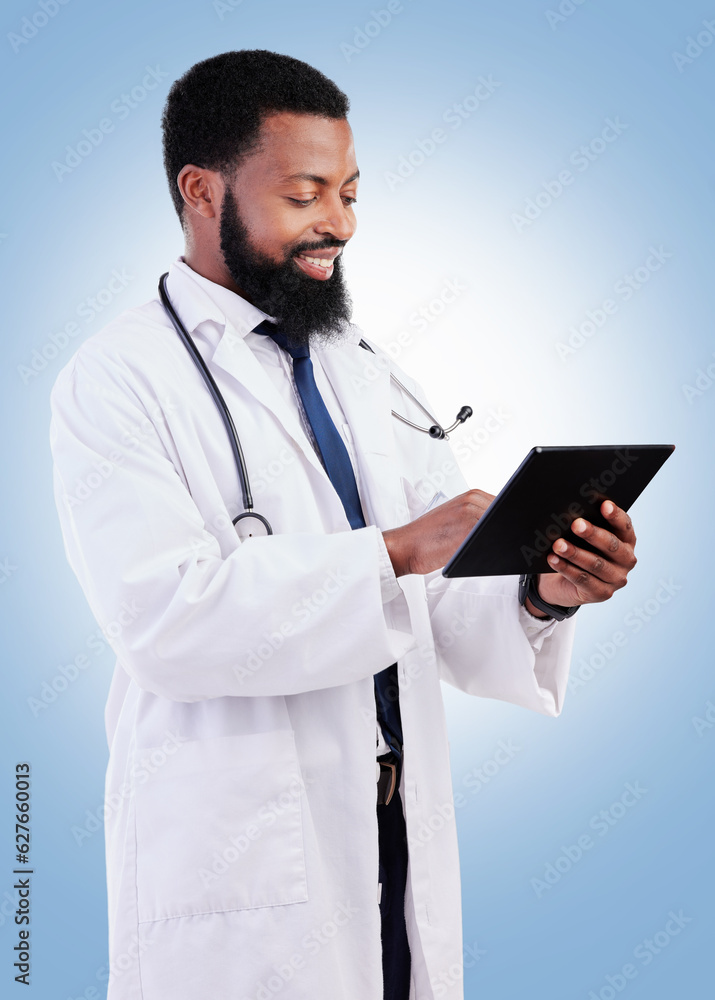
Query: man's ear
x=201, y=189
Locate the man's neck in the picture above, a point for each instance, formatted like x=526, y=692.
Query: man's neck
x=212, y=268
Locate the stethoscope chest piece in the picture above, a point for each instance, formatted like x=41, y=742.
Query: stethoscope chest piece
x=251, y=525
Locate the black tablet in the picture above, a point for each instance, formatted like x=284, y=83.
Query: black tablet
x=549, y=490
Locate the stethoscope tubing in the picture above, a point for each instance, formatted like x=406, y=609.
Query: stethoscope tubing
x=218, y=399
x=435, y=430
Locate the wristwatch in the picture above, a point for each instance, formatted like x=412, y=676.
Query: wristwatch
x=528, y=588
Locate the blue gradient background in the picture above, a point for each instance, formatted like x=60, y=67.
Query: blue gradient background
x=494, y=347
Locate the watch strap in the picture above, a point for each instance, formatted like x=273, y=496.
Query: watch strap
x=528, y=588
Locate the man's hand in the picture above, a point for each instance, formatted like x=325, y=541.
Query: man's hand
x=428, y=542
x=582, y=577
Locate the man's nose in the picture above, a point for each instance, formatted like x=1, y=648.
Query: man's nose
x=338, y=222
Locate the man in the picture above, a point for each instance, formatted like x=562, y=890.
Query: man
x=251, y=848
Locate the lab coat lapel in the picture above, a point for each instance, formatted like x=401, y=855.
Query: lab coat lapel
x=361, y=381
x=234, y=356
x=237, y=359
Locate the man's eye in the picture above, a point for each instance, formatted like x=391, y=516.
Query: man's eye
x=350, y=201
x=297, y=201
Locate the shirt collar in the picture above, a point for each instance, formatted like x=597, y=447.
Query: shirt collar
x=199, y=300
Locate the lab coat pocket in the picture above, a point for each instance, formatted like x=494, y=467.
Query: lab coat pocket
x=422, y=497
x=219, y=826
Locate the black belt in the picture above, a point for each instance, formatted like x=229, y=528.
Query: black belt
x=389, y=777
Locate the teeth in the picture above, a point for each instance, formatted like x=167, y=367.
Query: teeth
x=317, y=261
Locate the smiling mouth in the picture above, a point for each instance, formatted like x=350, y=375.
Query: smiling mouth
x=320, y=267
x=320, y=261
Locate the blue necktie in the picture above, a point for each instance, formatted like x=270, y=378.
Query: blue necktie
x=340, y=472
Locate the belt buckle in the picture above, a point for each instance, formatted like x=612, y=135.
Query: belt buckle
x=387, y=782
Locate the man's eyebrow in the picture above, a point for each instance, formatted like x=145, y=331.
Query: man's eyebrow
x=319, y=180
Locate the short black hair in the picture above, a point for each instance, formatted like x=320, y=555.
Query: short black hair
x=213, y=114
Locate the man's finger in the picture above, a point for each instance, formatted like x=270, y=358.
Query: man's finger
x=603, y=569
x=619, y=521
x=590, y=589
x=615, y=549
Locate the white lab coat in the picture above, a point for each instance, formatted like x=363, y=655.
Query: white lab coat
x=241, y=831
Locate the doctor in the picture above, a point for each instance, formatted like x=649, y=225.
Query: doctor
x=251, y=850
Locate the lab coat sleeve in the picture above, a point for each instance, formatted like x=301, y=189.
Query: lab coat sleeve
x=195, y=624
x=486, y=644
x=389, y=586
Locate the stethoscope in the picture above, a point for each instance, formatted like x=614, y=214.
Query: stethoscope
x=250, y=523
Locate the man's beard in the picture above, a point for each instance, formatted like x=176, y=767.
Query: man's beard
x=306, y=309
